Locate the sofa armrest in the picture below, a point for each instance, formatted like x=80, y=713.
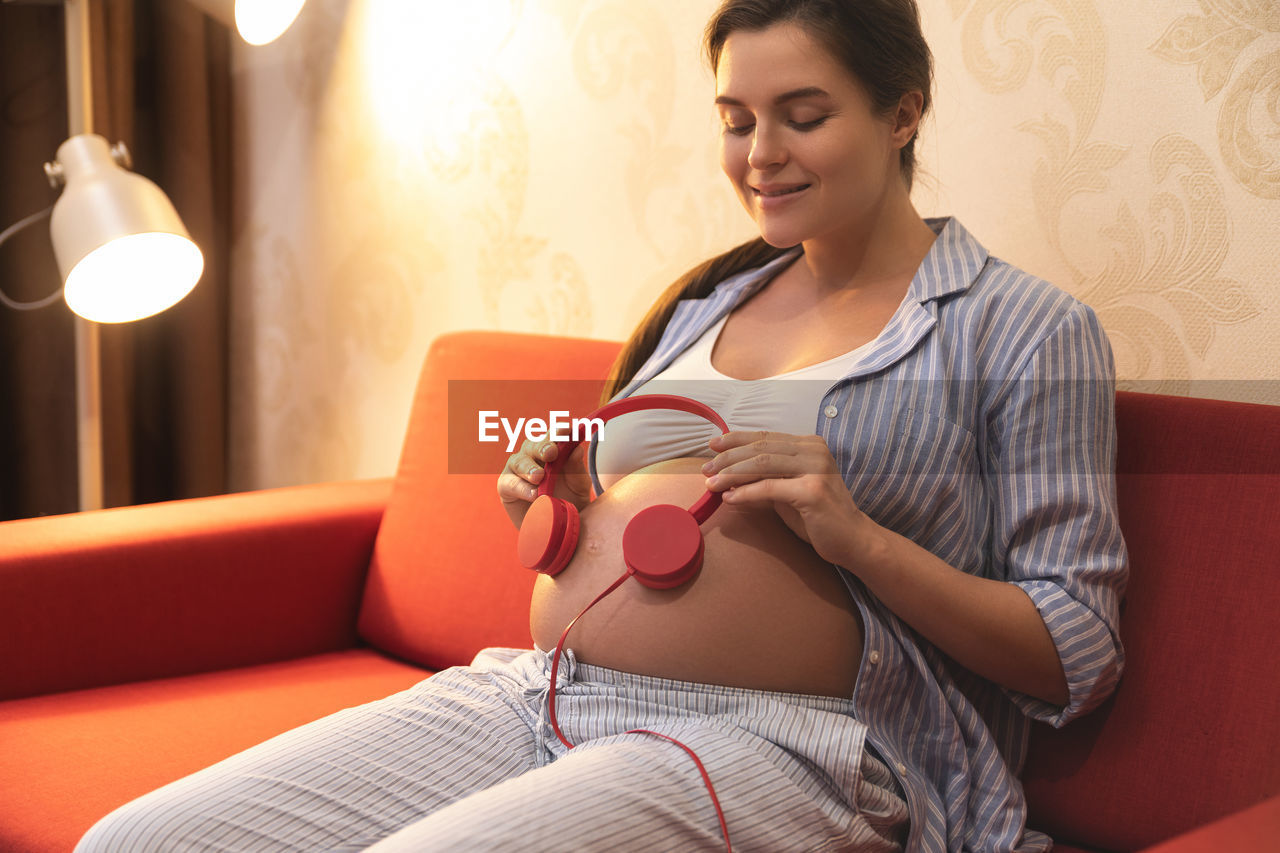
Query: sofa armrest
x=1252, y=830
x=167, y=589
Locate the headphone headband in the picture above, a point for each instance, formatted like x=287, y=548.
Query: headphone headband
x=705, y=505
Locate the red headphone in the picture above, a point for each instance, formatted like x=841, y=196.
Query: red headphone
x=662, y=545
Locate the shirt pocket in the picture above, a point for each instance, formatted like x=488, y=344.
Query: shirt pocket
x=921, y=478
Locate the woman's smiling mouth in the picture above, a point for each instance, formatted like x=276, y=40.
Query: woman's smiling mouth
x=776, y=191
x=775, y=197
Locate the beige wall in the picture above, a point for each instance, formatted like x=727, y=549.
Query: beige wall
x=409, y=167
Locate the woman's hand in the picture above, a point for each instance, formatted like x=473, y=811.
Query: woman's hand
x=526, y=469
x=797, y=475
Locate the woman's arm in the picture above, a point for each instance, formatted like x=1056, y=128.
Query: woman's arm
x=990, y=627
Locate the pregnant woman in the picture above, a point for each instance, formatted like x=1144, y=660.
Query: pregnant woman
x=916, y=555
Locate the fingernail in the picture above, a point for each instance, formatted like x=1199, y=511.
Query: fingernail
x=713, y=481
x=706, y=468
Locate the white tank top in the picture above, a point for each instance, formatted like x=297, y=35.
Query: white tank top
x=787, y=402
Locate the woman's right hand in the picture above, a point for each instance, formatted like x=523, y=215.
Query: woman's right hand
x=526, y=469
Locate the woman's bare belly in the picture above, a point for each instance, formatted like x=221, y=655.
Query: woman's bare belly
x=765, y=612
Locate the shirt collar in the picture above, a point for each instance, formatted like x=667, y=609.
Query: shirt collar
x=738, y=287
x=953, y=262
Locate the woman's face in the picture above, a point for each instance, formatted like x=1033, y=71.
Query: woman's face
x=799, y=141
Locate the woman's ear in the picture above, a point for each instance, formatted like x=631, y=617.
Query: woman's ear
x=906, y=120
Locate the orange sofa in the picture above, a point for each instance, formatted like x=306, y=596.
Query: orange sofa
x=140, y=644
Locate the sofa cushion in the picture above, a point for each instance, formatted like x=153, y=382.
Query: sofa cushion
x=444, y=507
x=66, y=759
x=180, y=587
x=1191, y=733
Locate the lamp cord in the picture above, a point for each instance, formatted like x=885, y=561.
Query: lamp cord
x=4, y=236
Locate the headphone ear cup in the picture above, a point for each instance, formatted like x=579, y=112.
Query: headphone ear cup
x=548, y=535
x=662, y=546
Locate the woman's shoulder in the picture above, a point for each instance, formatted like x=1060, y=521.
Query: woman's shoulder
x=1009, y=313
x=1003, y=294
x=1011, y=293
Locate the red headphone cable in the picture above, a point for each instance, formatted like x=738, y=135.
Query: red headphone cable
x=555, y=724
x=555, y=657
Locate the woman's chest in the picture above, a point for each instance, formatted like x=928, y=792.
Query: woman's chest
x=773, y=335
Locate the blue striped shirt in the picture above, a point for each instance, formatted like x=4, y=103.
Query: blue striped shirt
x=980, y=425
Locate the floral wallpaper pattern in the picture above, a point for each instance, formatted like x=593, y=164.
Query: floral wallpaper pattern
x=1215, y=40
x=406, y=168
x=1161, y=292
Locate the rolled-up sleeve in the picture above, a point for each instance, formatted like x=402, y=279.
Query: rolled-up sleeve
x=1056, y=529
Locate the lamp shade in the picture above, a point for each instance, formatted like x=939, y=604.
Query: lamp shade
x=122, y=249
x=257, y=21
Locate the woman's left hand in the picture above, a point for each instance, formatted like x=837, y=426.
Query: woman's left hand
x=797, y=475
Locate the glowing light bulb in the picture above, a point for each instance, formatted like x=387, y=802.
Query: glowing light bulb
x=262, y=21
x=133, y=277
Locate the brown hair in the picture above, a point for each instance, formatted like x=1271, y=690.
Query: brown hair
x=879, y=42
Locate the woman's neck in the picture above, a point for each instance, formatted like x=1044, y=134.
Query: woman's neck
x=889, y=244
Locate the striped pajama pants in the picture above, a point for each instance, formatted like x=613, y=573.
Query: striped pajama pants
x=466, y=760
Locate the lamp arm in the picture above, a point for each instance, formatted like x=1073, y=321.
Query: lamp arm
x=8, y=301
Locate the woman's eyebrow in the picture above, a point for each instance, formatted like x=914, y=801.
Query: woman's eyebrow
x=794, y=94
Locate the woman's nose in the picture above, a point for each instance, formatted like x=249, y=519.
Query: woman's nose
x=766, y=149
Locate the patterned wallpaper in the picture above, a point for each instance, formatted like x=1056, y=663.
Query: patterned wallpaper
x=406, y=168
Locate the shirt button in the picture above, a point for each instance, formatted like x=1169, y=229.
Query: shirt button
x=831, y=411
x=874, y=657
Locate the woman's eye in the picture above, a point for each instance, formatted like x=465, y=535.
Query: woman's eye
x=747, y=127
x=804, y=126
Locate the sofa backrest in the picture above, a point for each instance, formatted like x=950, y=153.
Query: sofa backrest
x=1193, y=730
x=444, y=581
